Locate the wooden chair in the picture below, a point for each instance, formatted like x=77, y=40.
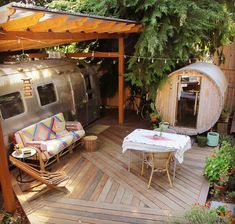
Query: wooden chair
x=159, y=162
x=53, y=180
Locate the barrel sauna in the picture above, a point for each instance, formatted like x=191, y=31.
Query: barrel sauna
x=192, y=98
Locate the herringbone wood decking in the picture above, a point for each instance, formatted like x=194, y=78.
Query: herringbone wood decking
x=101, y=190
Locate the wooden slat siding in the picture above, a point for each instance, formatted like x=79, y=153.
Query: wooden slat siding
x=229, y=70
x=91, y=188
x=233, y=124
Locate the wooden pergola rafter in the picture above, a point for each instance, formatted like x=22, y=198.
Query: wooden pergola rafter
x=24, y=27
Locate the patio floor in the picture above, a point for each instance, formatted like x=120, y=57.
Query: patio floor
x=101, y=190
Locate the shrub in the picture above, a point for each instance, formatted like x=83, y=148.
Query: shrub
x=218, y=164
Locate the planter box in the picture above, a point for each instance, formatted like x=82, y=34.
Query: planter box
x=222, y=127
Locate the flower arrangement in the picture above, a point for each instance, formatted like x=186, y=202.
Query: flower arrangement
x=18, y=148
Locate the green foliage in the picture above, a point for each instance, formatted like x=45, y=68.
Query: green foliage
x=9, y=219
x=201, y=215
x=183, y=29
x=218, y=164
x=204, y=215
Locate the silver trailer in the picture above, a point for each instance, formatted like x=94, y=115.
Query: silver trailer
x=32, y=91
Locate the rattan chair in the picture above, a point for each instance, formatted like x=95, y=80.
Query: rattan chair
x=159, y=162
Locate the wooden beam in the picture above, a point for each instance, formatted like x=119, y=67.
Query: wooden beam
x=49, y=24
x=117, y=28
x=135, y=29
x=7, y=191
x=71, y=25
x=120, y=80
x=22, y=23
x=41, y=36
x=29, y=44
x=38, y=55
x=121, y=29
x=103, y=28
x=86, y=27
x=93, y=55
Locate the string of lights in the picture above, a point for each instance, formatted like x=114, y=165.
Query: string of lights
x=139, y=58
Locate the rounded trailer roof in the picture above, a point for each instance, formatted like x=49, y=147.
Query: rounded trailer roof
x=211, y=70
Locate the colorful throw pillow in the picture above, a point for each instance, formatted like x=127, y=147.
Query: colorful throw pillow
x=59, y=129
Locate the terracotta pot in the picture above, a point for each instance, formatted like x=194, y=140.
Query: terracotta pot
x=153, y=118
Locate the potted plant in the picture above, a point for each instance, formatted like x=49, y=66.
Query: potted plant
x=221, y=184
x=201, y=140
x=154, y=115
x=218, y=166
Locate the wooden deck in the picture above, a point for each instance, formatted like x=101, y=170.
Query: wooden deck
x=101, y=190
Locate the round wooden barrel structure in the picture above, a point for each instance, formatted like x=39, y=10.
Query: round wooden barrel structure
x=197, y=90
x=90, y=143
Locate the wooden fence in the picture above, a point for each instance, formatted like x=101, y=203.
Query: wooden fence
x=228, y=67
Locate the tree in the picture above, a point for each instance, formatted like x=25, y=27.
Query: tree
x=175, y=32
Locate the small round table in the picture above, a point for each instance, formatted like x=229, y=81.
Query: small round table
x=22, y=157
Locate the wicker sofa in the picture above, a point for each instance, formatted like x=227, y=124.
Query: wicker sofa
x=51, y=137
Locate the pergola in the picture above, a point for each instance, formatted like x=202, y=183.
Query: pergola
x=24, y=27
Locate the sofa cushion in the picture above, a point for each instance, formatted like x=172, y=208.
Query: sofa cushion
x=55, y=146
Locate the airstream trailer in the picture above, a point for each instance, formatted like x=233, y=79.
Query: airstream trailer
x=192, y=98
x=31, y=91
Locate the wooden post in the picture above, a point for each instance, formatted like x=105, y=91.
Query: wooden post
x=120, y=79
x=8, y=195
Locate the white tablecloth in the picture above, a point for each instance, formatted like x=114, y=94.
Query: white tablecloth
x=151, y=141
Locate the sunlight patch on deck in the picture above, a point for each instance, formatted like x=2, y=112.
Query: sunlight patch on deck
x=97, y=129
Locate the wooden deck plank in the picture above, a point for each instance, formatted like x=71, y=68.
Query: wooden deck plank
x=112, y=192
x=94, y=183
x=119, y=194
x=101, y=191
x=99, y=188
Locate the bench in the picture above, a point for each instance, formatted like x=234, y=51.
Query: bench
x=51, y=137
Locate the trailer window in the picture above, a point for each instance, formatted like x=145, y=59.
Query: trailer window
x=46, y=94
x=11, y=105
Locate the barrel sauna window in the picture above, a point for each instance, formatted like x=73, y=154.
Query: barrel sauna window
x=188, y=101
x=47, y=94
x=11, y=105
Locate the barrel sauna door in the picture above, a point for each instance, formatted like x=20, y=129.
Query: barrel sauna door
x=188, y=92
